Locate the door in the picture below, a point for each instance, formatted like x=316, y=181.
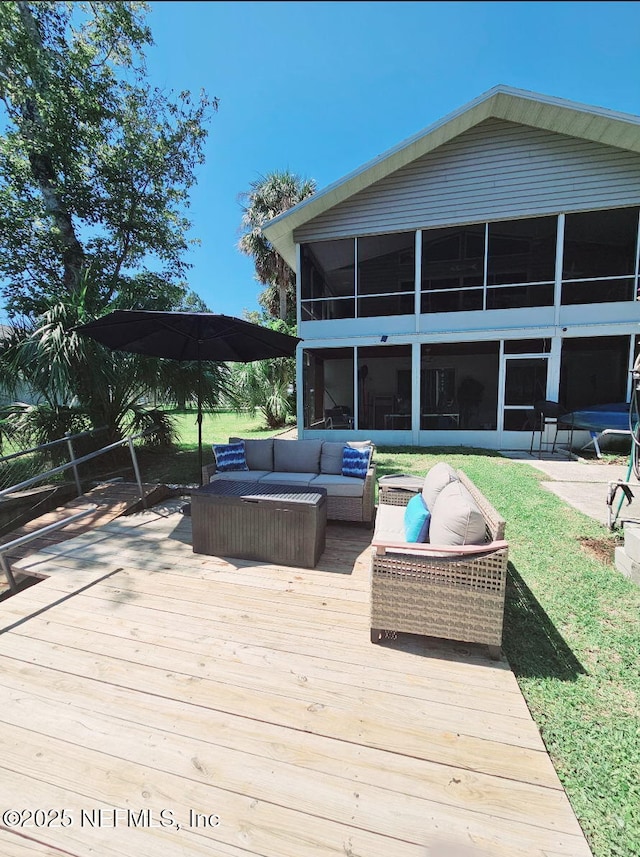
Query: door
x=525, y=382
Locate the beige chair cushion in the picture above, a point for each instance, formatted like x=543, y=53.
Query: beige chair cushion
x=456, y=518
x=437, y=478
x=389, y=525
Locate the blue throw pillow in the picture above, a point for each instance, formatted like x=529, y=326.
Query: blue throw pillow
x=230, y=456
x=355, y=462
x=416, y=520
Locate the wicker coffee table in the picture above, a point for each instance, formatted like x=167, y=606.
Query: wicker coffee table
x=282, y=524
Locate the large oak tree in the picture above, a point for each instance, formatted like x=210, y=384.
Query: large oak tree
x=95, y=163
x=96, y=166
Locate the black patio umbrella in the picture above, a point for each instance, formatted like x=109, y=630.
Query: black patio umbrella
x=193, y=336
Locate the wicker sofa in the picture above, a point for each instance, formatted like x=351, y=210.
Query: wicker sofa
x=451, y=591
x=315, y=463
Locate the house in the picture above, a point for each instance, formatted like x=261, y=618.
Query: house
x=488, y=262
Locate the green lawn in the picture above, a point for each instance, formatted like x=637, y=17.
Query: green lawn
x=217, y=427
x=181, y=467
x=572, y=637
x=572, y=628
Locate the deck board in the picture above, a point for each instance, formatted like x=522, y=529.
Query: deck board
x=139, y=675
x=111, y=499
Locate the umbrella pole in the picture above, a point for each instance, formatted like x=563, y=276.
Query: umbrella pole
x=199, y=424
x=199, y=441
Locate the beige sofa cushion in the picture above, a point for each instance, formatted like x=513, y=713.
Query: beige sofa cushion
x=456, y=518
x=297, y=456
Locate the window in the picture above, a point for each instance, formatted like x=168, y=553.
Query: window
x=385, y=277
x=386, y=274
x=328, y=401
x=593, y=371
x=600, y=255
x=327, y=287
x=452, y=269
x=527, y=346
x=520, y=266
x=384, y=387
x=505, y=264
x=521, y=263
x=459, y=386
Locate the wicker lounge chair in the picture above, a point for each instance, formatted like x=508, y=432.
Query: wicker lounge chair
x=452, y=592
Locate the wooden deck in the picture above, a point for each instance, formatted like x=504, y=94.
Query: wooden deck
x=112, y=499
x=143, y=685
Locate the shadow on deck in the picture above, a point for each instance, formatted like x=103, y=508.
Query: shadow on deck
x=113, y=499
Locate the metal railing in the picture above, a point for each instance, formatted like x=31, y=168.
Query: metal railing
x=74, y=462
x=19, y=465
x=21, y=540
x=71, y=465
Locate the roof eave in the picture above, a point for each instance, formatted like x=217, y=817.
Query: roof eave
x=518, y=106
x=280, y=230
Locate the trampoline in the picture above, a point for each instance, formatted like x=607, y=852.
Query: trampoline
x=600, y=421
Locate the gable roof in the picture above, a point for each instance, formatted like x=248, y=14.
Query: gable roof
x=621, y=130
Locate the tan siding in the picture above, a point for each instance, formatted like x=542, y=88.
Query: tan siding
x=496, y=170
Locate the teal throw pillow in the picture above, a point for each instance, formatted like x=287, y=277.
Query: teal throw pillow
x=230, y=456
x=416, y=520
x=355, y=462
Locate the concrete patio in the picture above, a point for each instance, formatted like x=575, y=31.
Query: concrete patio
x=583, y=485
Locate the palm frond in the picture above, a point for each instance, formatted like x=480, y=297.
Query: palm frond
x=268, y=197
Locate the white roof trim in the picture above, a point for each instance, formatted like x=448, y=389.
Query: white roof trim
x=597, y=124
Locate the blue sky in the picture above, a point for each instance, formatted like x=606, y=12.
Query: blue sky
x=321, y=88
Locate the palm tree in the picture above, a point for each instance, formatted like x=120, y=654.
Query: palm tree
x=81, y=384
x=268, y=197
x=266, y=386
